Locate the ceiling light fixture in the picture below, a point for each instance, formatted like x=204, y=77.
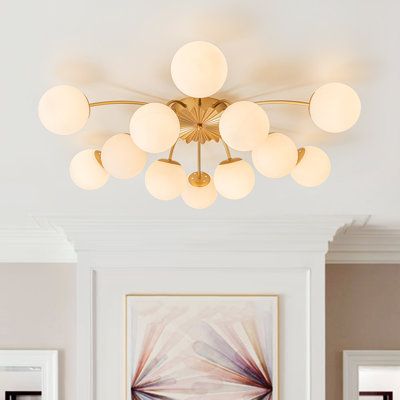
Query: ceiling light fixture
x=199, y=70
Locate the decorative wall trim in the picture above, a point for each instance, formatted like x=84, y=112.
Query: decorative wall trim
x=313, y=288
x=352, y=359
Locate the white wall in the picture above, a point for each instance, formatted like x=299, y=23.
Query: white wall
x=20, y=381
x=380, y=379
x=354, y=317
x=37, y=311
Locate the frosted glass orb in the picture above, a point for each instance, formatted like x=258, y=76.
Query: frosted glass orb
x=243, y=125
x=276, y=156
x=64, y=110
x=165, y=180
x=199, y=197
x=154, y=127
x=86, y=171
x=234, y=180
x=199, y=69
x=313, y=169
x=121, y=158
x=335, y=107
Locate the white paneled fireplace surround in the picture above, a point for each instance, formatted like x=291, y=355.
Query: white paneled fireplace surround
x=282, y=257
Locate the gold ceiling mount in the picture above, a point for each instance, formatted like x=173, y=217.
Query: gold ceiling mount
x=199, y=118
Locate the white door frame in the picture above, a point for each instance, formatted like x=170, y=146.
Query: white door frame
x=47, y=360
x=353, y=359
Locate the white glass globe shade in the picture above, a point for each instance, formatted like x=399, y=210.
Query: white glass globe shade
x=64, y=110
x=276, y=156
x=165, y=180
x=199, y=69
x=335, y=107
x=234, y=180
x=121, y=158
x=199, y=197
x=243, y=125
x=313, y=169
x=154, y=127
x=86, y=171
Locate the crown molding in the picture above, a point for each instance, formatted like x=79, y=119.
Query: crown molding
x=365, y=245
x=274, y=234
x=35, y=244
x=58, y=239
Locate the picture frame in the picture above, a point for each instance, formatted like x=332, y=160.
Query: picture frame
x=254, y=349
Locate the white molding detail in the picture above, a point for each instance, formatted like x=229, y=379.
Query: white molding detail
x=35, y=244
x=47, y=360
x=365, y=245
x=313, y=378
x=44, y=239
x=287, y=233
x=353, y=359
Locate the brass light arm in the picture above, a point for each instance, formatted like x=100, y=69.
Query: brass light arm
x=227, y=150
x=171, y=151
x=261, y=102
x=172, y=102
x=293, y=102
x=300, y=154
x=110, y=102
x=219, y=102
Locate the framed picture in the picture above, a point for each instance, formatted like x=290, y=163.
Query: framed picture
x=201, y=347
x=376, y=395
x=23, y=395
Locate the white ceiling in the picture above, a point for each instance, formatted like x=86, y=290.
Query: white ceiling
x=274, y=49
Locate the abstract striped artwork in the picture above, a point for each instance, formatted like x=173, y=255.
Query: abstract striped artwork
x=202, y=347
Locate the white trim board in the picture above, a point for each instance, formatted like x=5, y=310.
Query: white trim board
x=47, y=360
x=353, y=359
